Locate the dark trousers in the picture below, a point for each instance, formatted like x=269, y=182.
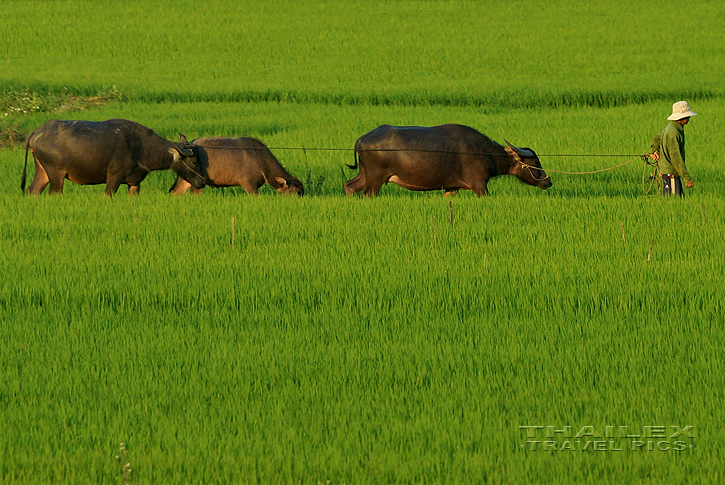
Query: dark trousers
x=671, y=185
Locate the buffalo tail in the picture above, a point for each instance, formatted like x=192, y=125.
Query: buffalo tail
x=353, y=167
x=25, y=167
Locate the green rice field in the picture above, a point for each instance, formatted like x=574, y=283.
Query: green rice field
x=573, y=335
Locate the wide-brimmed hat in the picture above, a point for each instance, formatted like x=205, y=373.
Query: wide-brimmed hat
x=681, y=110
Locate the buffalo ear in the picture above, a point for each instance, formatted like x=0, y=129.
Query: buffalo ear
x=182, y=138
x=282, y=182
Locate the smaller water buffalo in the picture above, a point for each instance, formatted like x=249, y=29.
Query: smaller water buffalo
x=245, y=162
x=113, y=152
x=449, y=157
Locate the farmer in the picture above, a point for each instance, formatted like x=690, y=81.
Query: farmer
x=668, y=147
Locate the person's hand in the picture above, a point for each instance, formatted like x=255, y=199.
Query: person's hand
x=654, y=156
x=689, y=184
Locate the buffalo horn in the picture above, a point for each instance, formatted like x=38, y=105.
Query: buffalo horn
x=184, y=150
x=520, y=151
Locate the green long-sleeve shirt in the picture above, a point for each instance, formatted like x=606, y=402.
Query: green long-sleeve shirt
x=670, y=143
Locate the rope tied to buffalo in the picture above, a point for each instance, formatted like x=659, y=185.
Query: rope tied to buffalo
x=643, y=157
x=654, y=178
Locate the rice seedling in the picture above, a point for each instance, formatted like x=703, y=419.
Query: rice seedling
x=407, y=338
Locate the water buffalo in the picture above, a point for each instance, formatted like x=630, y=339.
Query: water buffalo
x=246, y=162
x=448, y=157
x=113, y=152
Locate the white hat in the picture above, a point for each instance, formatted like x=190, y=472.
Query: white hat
x=681, y=110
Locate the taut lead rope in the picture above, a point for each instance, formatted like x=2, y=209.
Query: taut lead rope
x=643, y=157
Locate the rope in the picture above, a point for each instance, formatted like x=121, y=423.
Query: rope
x=654, y=177
x=586, y=173
x=304, y=150
x=324, y=149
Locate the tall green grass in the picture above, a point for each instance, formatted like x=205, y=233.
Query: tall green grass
x=354, y=340
x=404, y=53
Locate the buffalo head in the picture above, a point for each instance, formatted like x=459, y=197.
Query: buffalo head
x=527, y=167
x=186, y=162
x=290, y=186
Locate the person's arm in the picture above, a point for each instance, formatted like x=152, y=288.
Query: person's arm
x=655, y=153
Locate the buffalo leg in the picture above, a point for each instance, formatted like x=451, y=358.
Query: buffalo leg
x=450, y=193
x=480, y=189
x=56, y=179
x=133, y=189
x=40, y=180
x=372, y=187
x=113, y=182
x=374, y=181
x=250, y=188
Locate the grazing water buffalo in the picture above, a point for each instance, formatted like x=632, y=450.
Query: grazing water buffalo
x=448, y=157
x=113, y=152
x=246, y=162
